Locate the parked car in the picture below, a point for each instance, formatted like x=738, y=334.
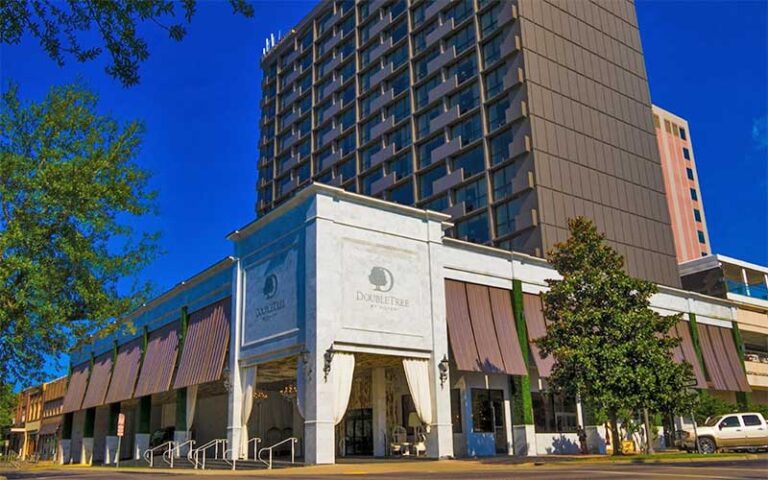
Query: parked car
x=735, y=431
x=161, y=436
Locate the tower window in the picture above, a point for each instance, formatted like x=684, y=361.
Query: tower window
x=701, y=236
x=694, y=195
x=686, y=154
x=689, y=172
x=696, y=214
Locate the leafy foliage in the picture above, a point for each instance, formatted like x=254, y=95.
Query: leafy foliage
x=60, y=25
x=609, y=346
x=68, y=187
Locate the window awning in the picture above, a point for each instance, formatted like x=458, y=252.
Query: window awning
x=205, y=346
x=78, y=381
x=686, y=352
x=49, y=426
x=722, y=359
x=537, y=328
x=126, y=371
x=159, y=361
x=481, y=329
x=99, y=381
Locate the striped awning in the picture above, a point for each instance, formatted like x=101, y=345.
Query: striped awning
x=686, y=352
x=76, y=388
x=99, y=381
x=126, y=372
x=159, y=361
x=721, y=359
x=49, y=426
x=205, y=345
x=481, y=329
x=537, y=328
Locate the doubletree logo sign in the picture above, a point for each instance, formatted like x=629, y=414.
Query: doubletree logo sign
x=268, y=310
x=382, y=281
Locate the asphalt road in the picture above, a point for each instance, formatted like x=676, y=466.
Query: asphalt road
x=710, y=470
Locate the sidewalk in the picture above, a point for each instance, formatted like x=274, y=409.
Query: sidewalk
x=390, y=466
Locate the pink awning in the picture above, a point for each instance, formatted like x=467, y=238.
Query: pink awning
x=205, y=346
x=78, y=381
x=686, y=352
x=159, y=361
x=99, y=381
x=721, y=359
x=126, y=372
x=537, y=328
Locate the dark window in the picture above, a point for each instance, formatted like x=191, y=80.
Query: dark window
x=437, y=205
x=689, y=172
x=474, y=230
x=474, y=195
x=499, y=146
x=346, y=170
x=694, y=195
x=686, y=154
x=426, y=179
x=456, y=410
x=502, y=181
x=369, y=179
x=553, y=413
x=471, y=161
x=505, y=216
x=402, y=194
x=486, y=416
x=683, y=136
x=701, y=236
x=749, y=420
x=401, y=166
x=730, y=422
x=492, y=51
x=696, y=214
x=469, y=130
x=425, y=150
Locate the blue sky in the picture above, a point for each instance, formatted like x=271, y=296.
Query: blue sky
x=199, y=100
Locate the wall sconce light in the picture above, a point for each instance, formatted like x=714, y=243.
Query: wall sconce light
x=227, y=381
x=328, y=357
x=443, y=367
x=305, y=358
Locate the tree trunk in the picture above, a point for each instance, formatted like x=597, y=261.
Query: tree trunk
x=615, y=435
x=648, y=435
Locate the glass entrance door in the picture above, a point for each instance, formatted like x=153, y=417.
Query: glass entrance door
x=358, y=427
x=500, y=432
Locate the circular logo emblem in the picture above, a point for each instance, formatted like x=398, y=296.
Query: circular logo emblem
x=381, y=279
x=270, y=285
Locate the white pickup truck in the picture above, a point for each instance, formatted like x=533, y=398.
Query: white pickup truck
x=734, y=431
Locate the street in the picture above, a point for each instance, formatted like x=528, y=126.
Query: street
x=718, y=469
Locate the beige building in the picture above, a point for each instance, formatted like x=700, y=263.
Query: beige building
x=684, y=199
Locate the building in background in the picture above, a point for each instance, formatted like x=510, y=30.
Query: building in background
x=686, y=207
x=746, y=285
x=509, y=116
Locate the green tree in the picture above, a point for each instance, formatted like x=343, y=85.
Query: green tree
x=610, y=348
x=69, y=188
x=61, y=25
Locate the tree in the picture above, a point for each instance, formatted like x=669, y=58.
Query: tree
x=610, y=348
x=68, y=190
x=60, y=25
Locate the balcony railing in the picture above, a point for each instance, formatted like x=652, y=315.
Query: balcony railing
x=755, y=290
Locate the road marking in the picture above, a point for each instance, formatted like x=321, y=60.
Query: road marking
x=650, y=474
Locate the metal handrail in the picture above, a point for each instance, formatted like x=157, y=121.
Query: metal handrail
x=203, y=448
x=149, y=454
x=170, y=454
x=293, y=441
x=256, y=441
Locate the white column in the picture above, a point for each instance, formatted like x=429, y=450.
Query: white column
x=379, y=400
x=235, y=398
x=64, y=454
x=319, y=430
x=110, y=450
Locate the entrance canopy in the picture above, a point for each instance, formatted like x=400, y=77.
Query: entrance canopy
x=481, y=329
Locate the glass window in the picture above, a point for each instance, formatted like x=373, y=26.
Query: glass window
x=324, y=88
x=469, y=130
x=401, y=137
x=425, y=150
x=400, y=109
x=502, y=181
x=686, y=154
x=701, y=236
x=473, y=230
x=554, y=413
x=499, y=147
x=322, y=110
x=689, y=173
x=306, y=40
x=347, y=71
x=461, y=10
x=305, y=83
x=465, y=70
x=422, y=92
x=421, y=65
x=438, y=204
x=749, y=420
x=347, y=26
x=365, y=103
x=467, y=98
x=675, y=130
x=696, y=214
x=402, y=194
x=347, y=144
x=322, y=23
x=400, y=83
x=423, y=120
x=497, y=113
x=345, y=50
x=401, y=166
x=346, y=119
x=505, y=216
x=398, y=31
x=304, y=172
x=494, y=82
x=365, y=55
x=420, y=39
x=492, y=51
x=396, y=8
x=398, y=56
x=456, y=410
x=694, y=195
x=683, y=136
x=347, y=95
x=463, y=39
x=667, y=126
x=426, y=179
x=365, y=129
x=482, y=412
x=303, y=148
x=730, y=422
x=471, y=161
x=489, y=20
x=474, y=195
x=347, y=169
x=369, y=179
x=418, y=14
x=656, y=122
x=367, y=153
x=305, y=62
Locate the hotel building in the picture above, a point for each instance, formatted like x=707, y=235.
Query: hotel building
x=681, y=180
x=511, y=117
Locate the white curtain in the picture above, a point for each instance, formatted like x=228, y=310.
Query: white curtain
x=248, y=380
x=300, y=386
x=417, y=374
x=191, y=405
x=342, y=370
